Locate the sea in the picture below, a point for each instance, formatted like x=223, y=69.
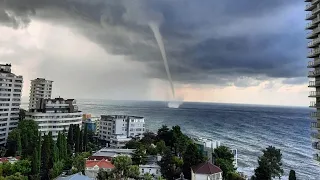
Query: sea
x=247, y=128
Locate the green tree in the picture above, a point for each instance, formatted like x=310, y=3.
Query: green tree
x=77, y=139
x=234, y=176
x=55, y=156
x=22, y=166
x=19, y=145
x=161, y=147
x=292, y=175
x=269, y=164
x=133, y=172
x=179, y=141
x=85, y=138
x=165, y=134
x=151, y=150
x=148, y=138
x=64, y=146
x=16, y=176
x=167, y=166
x=70, y=136
x=22, y=114
x=29, y=133
x=133, y=144
x=224, y=158
x=79, y=161
x=102, y=175
x=139, y=156
x=45, y=157
x=81, y=141
x=35, y=162
x=39, y=151
x=57, y=169
x=7, y=169
x=122, y=164
x=191, y=157
x=12, y=142
x=147, y=176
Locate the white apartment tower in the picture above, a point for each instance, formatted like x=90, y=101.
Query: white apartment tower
x=10, y=99
x=40, y=88
x=119, y=129
x=313, y=8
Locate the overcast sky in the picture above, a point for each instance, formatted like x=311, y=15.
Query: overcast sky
x=229, y=51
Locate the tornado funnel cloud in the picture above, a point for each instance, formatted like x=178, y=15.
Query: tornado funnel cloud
x=155, y=29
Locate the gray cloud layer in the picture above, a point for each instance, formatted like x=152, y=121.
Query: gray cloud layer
x=206, y=41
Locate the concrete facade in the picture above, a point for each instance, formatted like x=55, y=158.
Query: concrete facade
x=10, y=100
x=40, y=89
x=313, y=9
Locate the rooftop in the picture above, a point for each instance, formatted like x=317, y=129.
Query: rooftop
x=109, y=152
x=75, y=177
x=103, y=163
x=206, y=168
x=122, y=116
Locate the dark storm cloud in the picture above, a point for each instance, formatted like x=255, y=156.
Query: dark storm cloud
x=206, y=41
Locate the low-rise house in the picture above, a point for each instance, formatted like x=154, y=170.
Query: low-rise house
x=93, y=166
x=153, y=169
x=77, y=176
x=206, y=171
x=11, y=160
x=109, y=153
x=207, y=146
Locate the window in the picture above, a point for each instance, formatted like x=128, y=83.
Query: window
x=157, y=172
x=142, y=170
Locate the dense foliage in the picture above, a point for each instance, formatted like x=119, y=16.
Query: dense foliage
x=224, y=158
x=269, y=164
x=292, y=175
x=124, y=169
x=42, y=157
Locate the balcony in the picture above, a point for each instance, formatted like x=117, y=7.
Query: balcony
x=314, y=33
x=315, y=135
x=314, y=63
x=314, y=53
x=314, y=105
x=313, y=74
x=314, y=2
x=315, y=115
x=314, y=43
x=310, y=6
x=310, y=16
x=314, y=94
x=313, y=23
x=315, y=125
x=314, y=83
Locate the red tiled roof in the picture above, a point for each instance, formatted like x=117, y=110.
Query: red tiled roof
x=100, y=163
x=206, y=168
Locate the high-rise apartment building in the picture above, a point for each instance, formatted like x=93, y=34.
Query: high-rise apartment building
x=10, y=99
x=55, y=115
x=118, y=129
x=313, y=8
x=40, y=88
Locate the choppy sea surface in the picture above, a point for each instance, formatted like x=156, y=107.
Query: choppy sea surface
x=248, y=128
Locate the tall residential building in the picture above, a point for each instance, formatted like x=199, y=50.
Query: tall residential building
x=10, y=99
x=313, y=6
x=118, y=129
x=40, y=88
x=55, y=115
